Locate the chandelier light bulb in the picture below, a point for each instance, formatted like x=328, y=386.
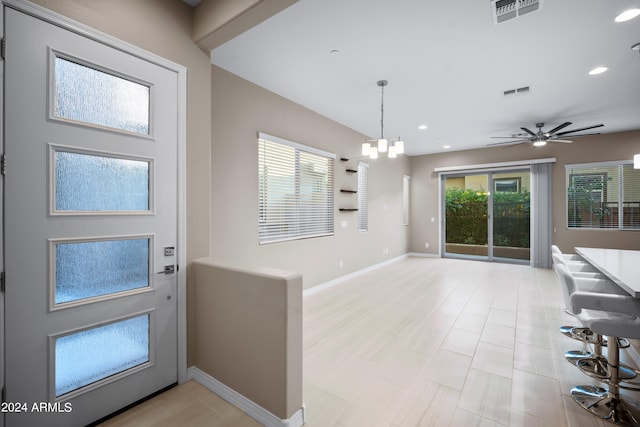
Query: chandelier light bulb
x=366, y=148
x=373, y=153
x=392, y=152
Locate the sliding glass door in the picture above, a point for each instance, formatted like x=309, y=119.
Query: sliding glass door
x=487, y=215
x=511, y=219
x=466, y=216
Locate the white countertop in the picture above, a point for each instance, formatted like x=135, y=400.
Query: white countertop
x=621, y=266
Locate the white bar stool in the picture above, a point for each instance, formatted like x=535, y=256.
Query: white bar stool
x=576, y=264
x=613, y=316
x=587, y=284
x=593, y=361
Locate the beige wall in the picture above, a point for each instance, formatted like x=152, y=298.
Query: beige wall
x=163, y=27
x=240, y=110
x=598, y=148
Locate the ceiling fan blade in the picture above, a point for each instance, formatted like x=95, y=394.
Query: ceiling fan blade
x=584, y=134
x=528, y=131
x=519, y=141
x=566, y=141
x=579, y=130
x=557, y=128
x=508, y=137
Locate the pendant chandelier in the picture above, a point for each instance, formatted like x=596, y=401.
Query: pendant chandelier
x=392, y=147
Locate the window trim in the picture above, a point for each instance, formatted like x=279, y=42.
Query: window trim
x=406, y=199
x=268, y=238
x=570, y=172
x=54, y=53
x=363, y=197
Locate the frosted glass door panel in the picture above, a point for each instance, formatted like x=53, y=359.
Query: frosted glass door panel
x=85, y=182
x=95, y=354
x=85, y=94
x=93, y=269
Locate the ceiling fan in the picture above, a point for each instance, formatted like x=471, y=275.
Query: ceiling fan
x=541, y=138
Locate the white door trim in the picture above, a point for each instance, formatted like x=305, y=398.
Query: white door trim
x=181, y=72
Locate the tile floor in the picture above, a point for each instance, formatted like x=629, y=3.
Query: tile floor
x=424, y=342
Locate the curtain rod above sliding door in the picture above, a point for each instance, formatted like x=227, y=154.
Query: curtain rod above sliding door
x=494, y=165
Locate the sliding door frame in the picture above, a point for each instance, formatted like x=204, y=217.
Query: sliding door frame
x=540, y=219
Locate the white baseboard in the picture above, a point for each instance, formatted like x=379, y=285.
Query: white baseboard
x=247, y=406
x=424, y=255
x=341, y=279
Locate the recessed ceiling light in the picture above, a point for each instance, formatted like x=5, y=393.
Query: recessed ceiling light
x=446, y=146
x=598, y=70
x=627, y=15
x=422, y=127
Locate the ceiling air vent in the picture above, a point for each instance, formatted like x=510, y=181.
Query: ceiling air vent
x=504, y=10
x=519, y=91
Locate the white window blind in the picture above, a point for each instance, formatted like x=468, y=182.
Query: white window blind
x=363, y=204
x=603, y=195
x=406, y=179
x=295, y=190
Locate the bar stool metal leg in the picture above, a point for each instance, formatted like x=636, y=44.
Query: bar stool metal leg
x=595, y=364
x=607, y=404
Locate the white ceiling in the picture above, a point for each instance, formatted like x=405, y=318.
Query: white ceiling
x=447, y=65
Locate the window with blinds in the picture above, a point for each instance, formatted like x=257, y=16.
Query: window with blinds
x=406, y=179
x=295, y=191
x=603, y=195
x=363, y=204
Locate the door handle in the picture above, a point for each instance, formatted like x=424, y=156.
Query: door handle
x=168, y=269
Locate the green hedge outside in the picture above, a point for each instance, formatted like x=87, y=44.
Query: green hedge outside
x=466, y=218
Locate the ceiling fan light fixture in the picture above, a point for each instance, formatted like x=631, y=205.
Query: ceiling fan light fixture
x=540, y=143
x=598, y=70
x=627, y=15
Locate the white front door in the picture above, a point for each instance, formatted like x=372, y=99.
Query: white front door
x=90, y=226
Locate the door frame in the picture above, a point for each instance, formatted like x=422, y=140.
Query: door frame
x=489, y=173
x=486, y=168
x=61, y=21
